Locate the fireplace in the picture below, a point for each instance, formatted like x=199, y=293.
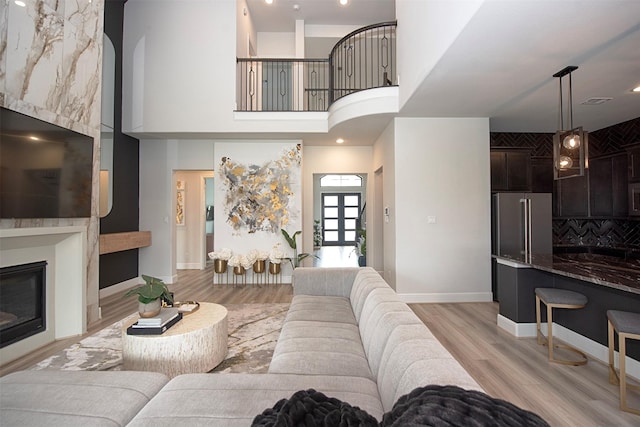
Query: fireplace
x=22, y=301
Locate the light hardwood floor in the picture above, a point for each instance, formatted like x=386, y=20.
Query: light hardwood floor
x=513, y=369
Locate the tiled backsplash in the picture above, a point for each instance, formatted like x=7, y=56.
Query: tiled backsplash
x=615, y=233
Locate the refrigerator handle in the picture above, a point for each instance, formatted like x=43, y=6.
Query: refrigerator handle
x=529, y=229
x=524, y=229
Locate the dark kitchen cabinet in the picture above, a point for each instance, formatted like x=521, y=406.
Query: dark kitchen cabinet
x=608, y=186
x=510, y=170
x=542, y=175
x=634, y=164
x=572, y=197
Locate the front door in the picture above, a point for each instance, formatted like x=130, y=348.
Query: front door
x=340, y=212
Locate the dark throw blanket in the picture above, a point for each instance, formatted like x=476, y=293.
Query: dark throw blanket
x=433, y=405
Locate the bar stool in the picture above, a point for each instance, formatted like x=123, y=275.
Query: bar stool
x=557, y=298
x=627, y=325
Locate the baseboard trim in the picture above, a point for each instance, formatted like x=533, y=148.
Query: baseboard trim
x=594, y=349
x=520, y=330
x=446, y=298
x=119, y=287
x=189, y=266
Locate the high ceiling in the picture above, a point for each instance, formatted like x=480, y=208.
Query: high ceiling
x=502, y=63
x=280, y=16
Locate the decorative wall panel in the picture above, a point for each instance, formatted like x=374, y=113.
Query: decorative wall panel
x=51, y=69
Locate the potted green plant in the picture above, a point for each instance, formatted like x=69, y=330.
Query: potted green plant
x=291, y=240
x=150, y=296
x=317, y=233
x=361, y=247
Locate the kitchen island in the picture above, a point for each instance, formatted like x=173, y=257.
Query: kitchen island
x=609, y=283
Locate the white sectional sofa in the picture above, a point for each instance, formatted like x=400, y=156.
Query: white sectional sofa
x=347, y=335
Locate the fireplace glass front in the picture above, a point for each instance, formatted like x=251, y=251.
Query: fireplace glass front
x=22, y=301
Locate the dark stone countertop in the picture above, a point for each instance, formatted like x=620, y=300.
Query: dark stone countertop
x=614, y=272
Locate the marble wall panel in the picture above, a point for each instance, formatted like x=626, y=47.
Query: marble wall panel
x=51, y=69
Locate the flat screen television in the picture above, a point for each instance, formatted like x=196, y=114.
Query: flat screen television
x=45, y=170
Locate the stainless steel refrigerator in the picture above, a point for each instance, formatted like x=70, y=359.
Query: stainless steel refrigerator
x=521, y=224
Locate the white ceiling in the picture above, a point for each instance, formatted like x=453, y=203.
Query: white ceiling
x=280, y=16
x=502, y=63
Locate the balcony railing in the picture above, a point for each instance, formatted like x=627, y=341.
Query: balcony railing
x=364, y=59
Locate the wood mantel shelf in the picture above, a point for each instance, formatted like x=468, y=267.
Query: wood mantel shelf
x=118, y=242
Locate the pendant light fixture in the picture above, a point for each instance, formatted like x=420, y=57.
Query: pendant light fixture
x=570, y=145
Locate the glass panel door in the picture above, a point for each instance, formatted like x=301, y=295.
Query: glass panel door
x=340, y=212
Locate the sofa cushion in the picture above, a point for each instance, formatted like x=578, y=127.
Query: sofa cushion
x=392, y=326
x=324, y=281
x=408, y=362
x=366, y=281
x=320, y=308
x=235, y=399
x=326, y=357
x=320, y=337
x=76, y=398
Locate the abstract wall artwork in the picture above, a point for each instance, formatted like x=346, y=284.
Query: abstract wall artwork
x=259, y=197
x=180, y=187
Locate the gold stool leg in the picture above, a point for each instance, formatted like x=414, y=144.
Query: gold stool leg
x=538, y=323
x=623, y=375
x=548, y=341
x=550, y=331
x=613, y=376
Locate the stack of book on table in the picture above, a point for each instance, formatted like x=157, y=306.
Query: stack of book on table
x=155, y=325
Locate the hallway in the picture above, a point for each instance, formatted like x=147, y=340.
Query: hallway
x=335, y=256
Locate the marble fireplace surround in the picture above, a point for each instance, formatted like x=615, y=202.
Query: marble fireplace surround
x=64, y=249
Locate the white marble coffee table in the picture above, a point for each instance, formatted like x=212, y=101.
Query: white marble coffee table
x=197, y=343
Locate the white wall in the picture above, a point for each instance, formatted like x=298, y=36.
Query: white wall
x=276, y=45
x=187, y=65
x=246, y=32
x=159, y=160
x=157, y=195
x=426, y=29
x=384, y=161
x=442, y=170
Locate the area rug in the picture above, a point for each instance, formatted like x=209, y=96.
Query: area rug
x=253, y=332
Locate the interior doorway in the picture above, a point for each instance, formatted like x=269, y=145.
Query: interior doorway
x=340, y=215
x=193, y=206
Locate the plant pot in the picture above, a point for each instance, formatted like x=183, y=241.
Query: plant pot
x=151, y=309
x=274, y=268
x=259, y=266
x=238, y=270
x=220, y=266
x=362, y=260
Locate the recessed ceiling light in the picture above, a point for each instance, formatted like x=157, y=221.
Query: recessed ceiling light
x=344, y=2
x=20, y=3
x=339, y=141
x=34, y=138
x=268, y=1
x=636, y=89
